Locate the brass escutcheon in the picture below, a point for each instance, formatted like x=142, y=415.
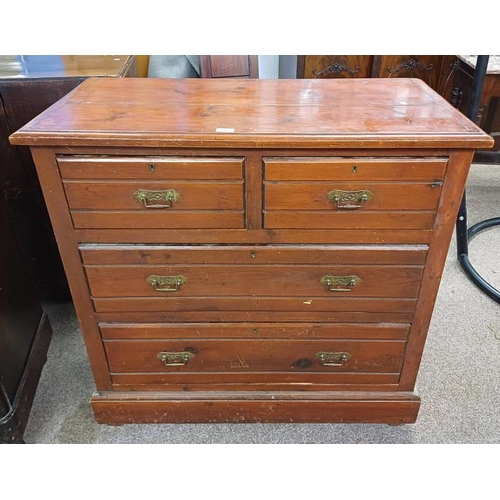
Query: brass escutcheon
x=175, y=358
x=350, y=200
x=157, y=199
x=166, y=283
x=333, y=358
x=340, y=283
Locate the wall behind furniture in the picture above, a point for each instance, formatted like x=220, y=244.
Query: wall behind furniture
x=288, y=67
x=269, y=67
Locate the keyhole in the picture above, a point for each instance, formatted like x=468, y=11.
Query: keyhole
x=151, y=167
x=354, y=168
x=254, y=255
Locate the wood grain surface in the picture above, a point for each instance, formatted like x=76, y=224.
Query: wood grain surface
x=244, y=308
x=244, y=407
x=258, y=355
x=230, y=280
x=387, y=331
x=353, y=169
x=150, y=168
x=197, y=195
x=252, y=254
x=255, y=381
x=253, y=113
x=303, y=196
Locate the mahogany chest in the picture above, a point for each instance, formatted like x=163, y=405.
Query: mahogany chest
x=253, y=250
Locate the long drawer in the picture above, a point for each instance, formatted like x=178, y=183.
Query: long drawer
x=253, y=278
x=299, y=280
x=257, y=355
x=219, y=356
x=351, y=193
x=154, y=192
x=150, y=331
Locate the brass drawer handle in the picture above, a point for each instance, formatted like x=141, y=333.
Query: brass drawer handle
x=333, y=358
x=175, y=358
x=350, y=200
x=166, y=283
x=157, y=199
x=340, y=283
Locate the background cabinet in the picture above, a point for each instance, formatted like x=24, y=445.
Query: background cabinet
x=24, y=336
x=433, y=70
x=30, y=266
x=488, y=117
x=241, y=66
x=28, y=86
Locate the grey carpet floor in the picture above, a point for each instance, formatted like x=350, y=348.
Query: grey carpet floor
x=459, y=379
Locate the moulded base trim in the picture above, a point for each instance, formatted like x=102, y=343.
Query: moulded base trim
x=115, y=408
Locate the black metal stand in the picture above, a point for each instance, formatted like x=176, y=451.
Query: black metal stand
x=464, y=235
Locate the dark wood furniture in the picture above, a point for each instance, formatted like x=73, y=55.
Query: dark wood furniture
x=24, y=336
x=229, y=66
x=28, y=86
x=30, y=266
x=253, y=250
x=432, y=69
x=488, y=117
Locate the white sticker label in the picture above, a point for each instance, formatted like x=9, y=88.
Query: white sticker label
x=225, y=130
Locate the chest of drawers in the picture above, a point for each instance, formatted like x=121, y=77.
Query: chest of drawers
x=253, y=251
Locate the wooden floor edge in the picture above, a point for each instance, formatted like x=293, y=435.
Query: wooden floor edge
x=394, y=408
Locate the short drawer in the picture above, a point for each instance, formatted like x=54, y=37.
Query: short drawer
x=351, y=193
x=177, y=193
x=257, y=355
x=150, y=168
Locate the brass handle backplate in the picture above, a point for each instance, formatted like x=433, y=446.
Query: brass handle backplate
x=175, y=358
x=350, y=200
x=157, y=199
x=333, y=358
x=166, y=283
x=340, y=283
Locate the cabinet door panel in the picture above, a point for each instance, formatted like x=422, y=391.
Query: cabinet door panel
x=427, y=68
x=334, y=66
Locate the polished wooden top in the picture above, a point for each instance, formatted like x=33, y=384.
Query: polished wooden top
x=329, y=113
x=62, y=66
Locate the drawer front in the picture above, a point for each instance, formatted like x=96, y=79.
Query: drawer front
x=211, y=355
x=259, y=381
x=258, y=309
x=116, y=196
x=355, y=169
x=254, y=280
x=150, y=168
x=100, y=255
x=351, y=194
x=145, y=331
x=386, y=196
x=301, y=281
x=252, y=271
x=150, y=193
